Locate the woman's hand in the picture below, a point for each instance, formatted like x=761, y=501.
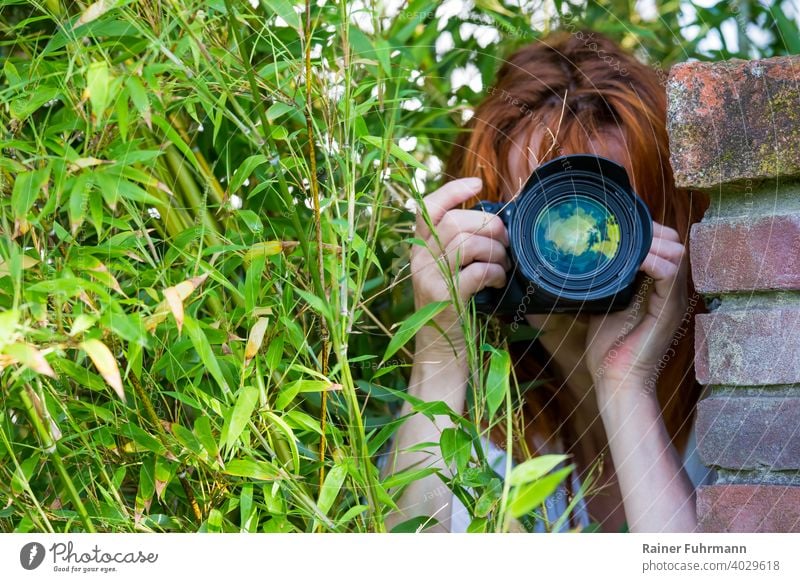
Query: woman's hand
x=469, y=244
x=625, y=347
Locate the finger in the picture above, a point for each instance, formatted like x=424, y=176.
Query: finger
x=466, y=248
x=471, y=222
x=664, y=273
x=665, y=232
x=477, y=276
x=668, y=249
x=439, y=202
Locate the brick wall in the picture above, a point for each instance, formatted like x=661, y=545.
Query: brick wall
x=735, y=132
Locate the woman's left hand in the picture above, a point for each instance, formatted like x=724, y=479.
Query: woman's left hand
x=624, y=347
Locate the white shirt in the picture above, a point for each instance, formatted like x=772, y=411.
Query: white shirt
x=557, y=503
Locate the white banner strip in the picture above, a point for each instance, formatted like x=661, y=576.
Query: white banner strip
x=355, y=557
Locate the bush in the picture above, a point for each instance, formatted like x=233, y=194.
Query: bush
x=206, y=213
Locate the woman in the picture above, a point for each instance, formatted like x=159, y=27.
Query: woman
x=621, y=383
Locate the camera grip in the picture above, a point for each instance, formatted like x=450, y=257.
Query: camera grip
x=484, y=301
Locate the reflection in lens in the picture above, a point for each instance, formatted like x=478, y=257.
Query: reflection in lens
x=576, y=236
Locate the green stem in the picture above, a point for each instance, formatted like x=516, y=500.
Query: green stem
x=50, y=446
x=25, y=483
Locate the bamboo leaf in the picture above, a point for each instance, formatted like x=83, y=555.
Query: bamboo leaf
x=533, y=494
x=331, y=487
x=106, y=364
x=31, y=357
x=256, y=338
x=259, y=470
x=534, y=469
x=395, y=150
x=98, y=81
x=411, y=326
x=497, y=380
x=27, y=187
x=207, y=356
x=240, y=415
x=285, y=10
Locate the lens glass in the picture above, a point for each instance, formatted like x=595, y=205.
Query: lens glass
x=576, y=236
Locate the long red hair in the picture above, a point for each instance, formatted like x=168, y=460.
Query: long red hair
x=605, y=88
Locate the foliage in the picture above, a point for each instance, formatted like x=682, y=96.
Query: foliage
x=206, y=218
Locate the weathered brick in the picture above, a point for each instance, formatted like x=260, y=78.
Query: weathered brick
x=748, y=347
x=748, y=508
x=749, y=432
x=743, y=254
x=734, y=120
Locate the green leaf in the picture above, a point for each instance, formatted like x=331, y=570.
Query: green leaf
x=78, y=200
x=202, y=429
x=261, y=470
x=497, y=380
x=121, y=187
x=242, y=411
x=407, y=476
x=330, y=488
x=533, y=494
x=98, y=81
x=395, y=150
x=415, y=524
x=207, y=355
x=412, y=325
x=277, y=109
x=147, y=485
x=302, y=421
x=535, y=468
x=316, y=303
x=139, y=97
x=456, y=447
x=285, y=10
x=26, y=189
x=243, y=172
x=289, y=437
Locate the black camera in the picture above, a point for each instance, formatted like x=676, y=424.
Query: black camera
x=578, y=234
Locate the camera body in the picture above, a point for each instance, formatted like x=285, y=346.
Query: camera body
x=578, y=234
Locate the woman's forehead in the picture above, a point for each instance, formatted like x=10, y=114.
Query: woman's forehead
x=523, y=157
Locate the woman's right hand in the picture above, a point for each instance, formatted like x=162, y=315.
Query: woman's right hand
x=472, y=246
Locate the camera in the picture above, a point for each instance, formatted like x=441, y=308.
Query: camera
x=578, y=234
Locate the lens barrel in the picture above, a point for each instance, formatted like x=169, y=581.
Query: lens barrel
x=578, y=234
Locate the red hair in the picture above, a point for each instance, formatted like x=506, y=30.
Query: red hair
x=581, y=87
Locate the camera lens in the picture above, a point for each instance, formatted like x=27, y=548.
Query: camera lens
x=576, y=236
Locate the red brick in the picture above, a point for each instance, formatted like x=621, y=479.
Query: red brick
x=734, y=120
x=743, y=254
x=749, y=432
x=748, y=347
x=748, y=508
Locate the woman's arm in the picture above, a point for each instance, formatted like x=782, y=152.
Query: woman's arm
x=623, y=351
x=437, y=374
x=468, y=246
x=656, y=491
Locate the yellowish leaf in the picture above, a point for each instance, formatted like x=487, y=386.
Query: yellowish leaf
x=31, y=357
x=173, y=299
x=81, y=163
x=266, y=248
x=105, y=276
x=256, y=338
x=27, y=263
x=105, y=363
x=175, y=296
x=93, y=12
